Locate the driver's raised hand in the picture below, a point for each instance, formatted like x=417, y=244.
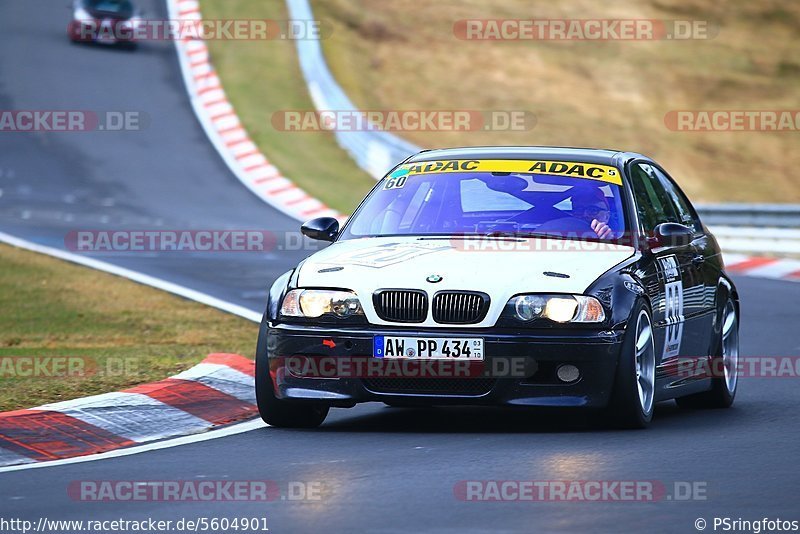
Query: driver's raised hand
x=602, y=230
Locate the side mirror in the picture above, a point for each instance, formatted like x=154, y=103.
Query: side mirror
x=321, y=228
x=671, y=235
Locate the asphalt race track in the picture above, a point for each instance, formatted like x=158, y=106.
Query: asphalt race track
x=383, y=469
x=166, y=176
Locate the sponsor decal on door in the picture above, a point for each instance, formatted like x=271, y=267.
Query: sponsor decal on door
x=673, y=305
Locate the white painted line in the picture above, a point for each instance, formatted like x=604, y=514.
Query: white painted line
x=202, y=69
x=232, y=430
x=226, y=121
x=213, y=95
x=255, y=159
x=222, y=107
x=193, y=45
x=234, y=135
x=243, y=148
x=266, y=172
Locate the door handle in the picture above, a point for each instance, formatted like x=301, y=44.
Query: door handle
x=698, y=260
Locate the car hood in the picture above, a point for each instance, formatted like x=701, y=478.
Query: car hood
x=500, y=267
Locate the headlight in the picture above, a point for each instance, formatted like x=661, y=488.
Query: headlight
x=558, y=308
x=310, y=303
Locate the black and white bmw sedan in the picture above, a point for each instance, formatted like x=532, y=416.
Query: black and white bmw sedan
x=527, y=276
x=111, y=22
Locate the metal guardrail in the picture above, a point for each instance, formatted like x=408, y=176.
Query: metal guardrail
x=758, y=215
x=373, y=151
x=758, y=241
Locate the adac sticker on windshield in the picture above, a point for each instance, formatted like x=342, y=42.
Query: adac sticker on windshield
x=591, y=171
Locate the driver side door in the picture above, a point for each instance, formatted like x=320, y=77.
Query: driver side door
x=675, y=274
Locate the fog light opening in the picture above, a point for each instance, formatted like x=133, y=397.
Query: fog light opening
x=568, y=373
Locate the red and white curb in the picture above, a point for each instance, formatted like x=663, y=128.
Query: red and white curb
x=760, y=267
x=226, y=132
x=218, y=391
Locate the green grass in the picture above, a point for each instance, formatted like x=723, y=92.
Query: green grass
x=263, y=77
x=128, y=333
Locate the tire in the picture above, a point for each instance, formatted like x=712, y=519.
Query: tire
x=633, y=398
x=726, y=358
x=282, y=413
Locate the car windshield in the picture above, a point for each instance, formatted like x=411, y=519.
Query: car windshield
x=562, y=200
x=120, y=7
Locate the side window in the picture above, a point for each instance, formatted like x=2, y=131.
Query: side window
x=652, y=203
x=680, y=204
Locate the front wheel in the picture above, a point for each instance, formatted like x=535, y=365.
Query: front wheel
x=726, y=360
x=634, y=387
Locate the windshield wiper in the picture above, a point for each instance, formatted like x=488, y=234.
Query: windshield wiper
x=503, y=233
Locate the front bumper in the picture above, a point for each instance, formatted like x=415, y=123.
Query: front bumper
x=334, y=365
x=110, y=32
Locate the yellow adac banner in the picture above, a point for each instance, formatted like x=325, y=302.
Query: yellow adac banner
x=591, y=171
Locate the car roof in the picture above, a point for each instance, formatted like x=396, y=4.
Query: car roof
x=576, y=154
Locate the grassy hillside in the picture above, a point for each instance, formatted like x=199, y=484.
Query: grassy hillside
x=394, y=54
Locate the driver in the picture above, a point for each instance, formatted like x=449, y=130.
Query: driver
x=591, y=206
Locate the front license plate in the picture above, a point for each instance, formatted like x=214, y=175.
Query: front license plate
x=428, y=348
